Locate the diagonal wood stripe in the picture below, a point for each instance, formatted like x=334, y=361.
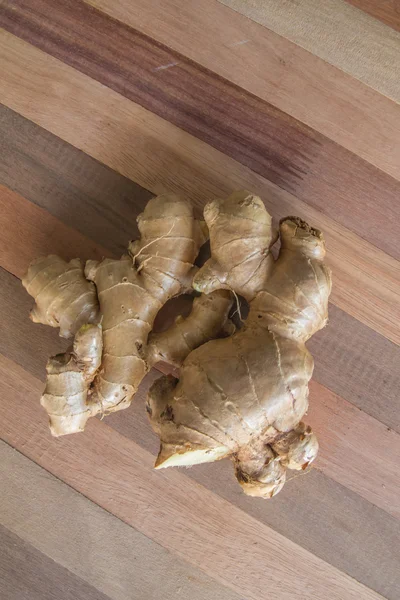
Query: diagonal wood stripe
x=27, y=573
x=387, y=11
x=63, y=538
x=337, y=32
x=352, y=360
x=359, y=365
x=349, y=436
x=68, y=183
x=161, y=157
x=29, y=231
x=296, y=81
x=119, y=478
x=260, y=136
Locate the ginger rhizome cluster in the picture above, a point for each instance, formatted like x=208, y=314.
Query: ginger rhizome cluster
x=240, y=393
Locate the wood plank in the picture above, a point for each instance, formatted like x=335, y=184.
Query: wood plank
x=248, y=129
x=296, y=81
x=336, y=32
x=352, y=443
x=64, y=538
x=27, y=573
x=161, y=157
x=69, y=184
x=359, y=365
x=387, y=11
x=29, y=231
x=217, y=535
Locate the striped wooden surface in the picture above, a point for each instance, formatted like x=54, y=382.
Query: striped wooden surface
x=104, y=103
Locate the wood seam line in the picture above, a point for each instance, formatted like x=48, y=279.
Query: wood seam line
x=246, y=128
x=41, y=576
x=351, y=257
x=290, y=78
x=124, y=460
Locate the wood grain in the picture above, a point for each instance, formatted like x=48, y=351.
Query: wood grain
x=336, y=32
x=359, y=365
x=68, y=184
x=387, y=11
x=298, y=82
x=29, y=230
x=63, y=538
x=27, y=573
x=160, y=157
x=260, y=136
x=349, y=440
x=121, y=481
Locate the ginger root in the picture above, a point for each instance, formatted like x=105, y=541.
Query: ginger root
x=241, y=393
x=244, y=396
x=121, y=298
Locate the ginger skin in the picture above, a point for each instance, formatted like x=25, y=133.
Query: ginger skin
x=240, y=394
x=107, y=363
x=244, y=396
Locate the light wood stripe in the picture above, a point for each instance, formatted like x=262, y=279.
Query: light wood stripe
x=29, y=231
x=121, y=481
x=85, y=543
x=356, y=450
x=365, y=278
x=297, y=82
x=337, y=32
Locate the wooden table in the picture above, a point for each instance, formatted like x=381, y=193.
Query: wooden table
x=107, y=102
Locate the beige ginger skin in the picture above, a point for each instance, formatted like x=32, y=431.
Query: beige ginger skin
x=121, y=298
x=245, y=396
x=240, y=394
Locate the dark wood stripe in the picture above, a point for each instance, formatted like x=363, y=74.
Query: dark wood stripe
x=246, y=128
x=77, y=189
x=25, y=572
x=387, y=11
